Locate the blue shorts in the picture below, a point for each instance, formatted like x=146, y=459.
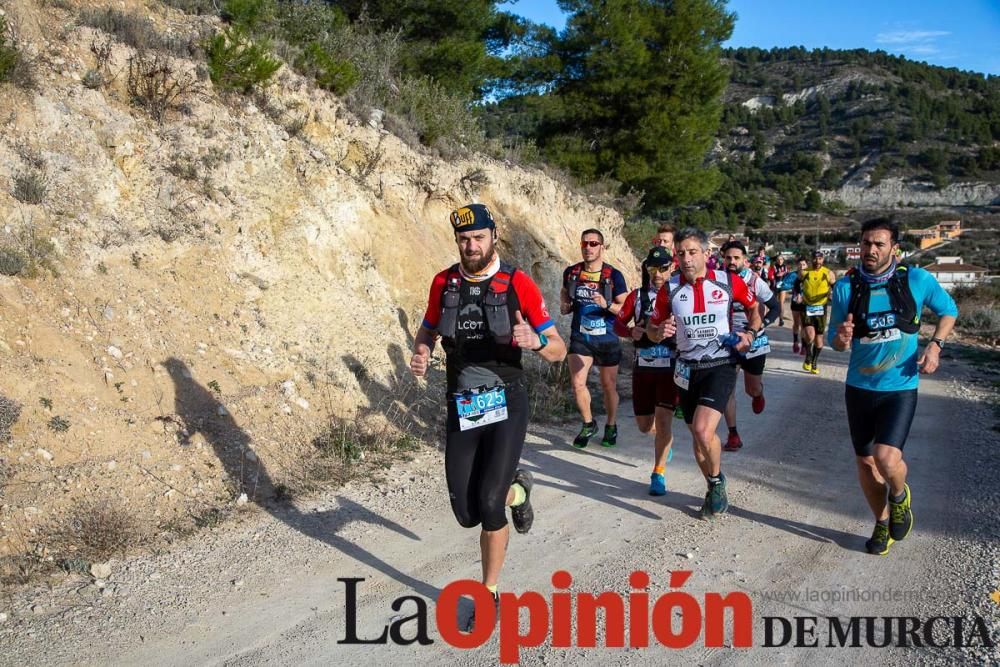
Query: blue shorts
x=879, y=417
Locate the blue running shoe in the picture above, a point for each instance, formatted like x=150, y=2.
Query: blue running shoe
x=657, y=485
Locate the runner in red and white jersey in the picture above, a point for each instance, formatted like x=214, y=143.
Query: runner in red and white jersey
x=697, y=307
x=752, y=362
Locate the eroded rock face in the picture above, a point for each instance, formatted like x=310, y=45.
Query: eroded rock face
x=893, y=192
x=236, y=247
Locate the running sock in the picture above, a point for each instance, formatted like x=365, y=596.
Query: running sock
x=883, y=522
x=660, y=470
x=492, y=588
x=898, y=499
x=795, y=338
x=815, y=355
x=519, y=494
x=715, y=479
x=732, y=430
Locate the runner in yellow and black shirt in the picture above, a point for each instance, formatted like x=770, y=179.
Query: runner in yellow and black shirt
x=817, y=284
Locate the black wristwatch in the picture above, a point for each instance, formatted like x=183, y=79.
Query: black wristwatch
x=939, y=341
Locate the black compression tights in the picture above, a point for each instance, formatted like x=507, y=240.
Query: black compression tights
x=480, y=463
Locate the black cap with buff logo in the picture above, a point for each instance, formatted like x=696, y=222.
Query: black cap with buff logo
x=472, y=217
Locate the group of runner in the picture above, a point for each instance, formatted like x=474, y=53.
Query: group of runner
x=693, y=328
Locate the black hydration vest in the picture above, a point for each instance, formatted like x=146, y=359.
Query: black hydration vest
x=498, y=309
x=903, y=306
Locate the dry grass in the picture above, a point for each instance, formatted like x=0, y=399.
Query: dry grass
x=95, y=530
x=550, y=394
x=10, y=412
x=155, y=85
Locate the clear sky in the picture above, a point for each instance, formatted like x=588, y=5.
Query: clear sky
x=950, y=33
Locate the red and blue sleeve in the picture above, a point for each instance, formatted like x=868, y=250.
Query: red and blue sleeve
x=531, y=300
x=432, y=316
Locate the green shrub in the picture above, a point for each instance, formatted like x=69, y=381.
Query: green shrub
x=11, y=262
x=440, y=118
x=300, y=23
x=58, y=424
x=337, y=76
x=30, y=187
x=981, y=319
x=235, y=62
x=253, y=15
x=29, y=253
x=10, y=412
x=9, y=55
x=14, y=67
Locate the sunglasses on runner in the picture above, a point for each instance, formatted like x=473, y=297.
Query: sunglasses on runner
x=592, y=244
x=657, y=269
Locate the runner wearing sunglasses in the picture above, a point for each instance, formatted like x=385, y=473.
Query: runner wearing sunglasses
x=654, y=395
x=594, y=292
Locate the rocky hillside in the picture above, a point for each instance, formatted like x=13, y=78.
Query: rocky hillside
x=858, y=128
x=196, y=291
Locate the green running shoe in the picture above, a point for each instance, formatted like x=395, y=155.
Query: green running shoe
x=900, y=516
x=718, y=497
x=880, y=541
x=678, y=412
x=586, y=433
x=706, y=507
x=610, y=435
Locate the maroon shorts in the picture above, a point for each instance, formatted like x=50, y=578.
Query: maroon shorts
x=652, y=389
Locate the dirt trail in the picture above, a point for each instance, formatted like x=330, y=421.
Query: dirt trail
x=266, y=591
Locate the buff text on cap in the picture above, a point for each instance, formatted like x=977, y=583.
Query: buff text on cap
x=472, y=217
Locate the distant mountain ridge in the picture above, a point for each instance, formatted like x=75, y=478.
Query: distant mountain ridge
x=812, y=129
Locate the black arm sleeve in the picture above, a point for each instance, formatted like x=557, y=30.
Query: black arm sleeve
x=773, y=310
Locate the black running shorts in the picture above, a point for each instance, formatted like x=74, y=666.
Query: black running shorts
x=753, y=366
x=879, y=417
x=651, y=390
x=604, y=354
x=710, y=387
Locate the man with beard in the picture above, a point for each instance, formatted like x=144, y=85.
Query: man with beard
x=486, y=312
x=876, y=314
x=752, y=361
x=653, y=393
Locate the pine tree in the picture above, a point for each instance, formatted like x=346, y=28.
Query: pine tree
x=639, y=96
